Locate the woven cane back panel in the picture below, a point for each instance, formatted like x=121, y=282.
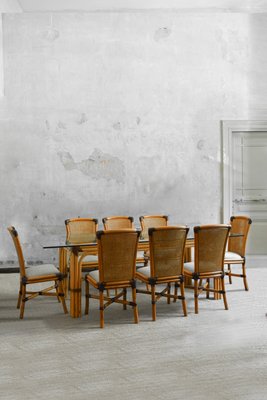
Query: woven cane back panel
x=114, y=223
x=81, y=230
x=167, y=251
x=117, y=255
x=152, y=221
x=240, y=225
x=18, y=248
x=210, y=246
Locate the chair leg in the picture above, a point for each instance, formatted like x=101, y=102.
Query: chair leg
x=86, y=297
x=124, y=298
x=153, y=301
x=244, y=276
x=208, y=286
x=20, y=293
x=168, y=293
x=57, y=291
x=101, y=301
x=61, y=296
x=175, y=291
x=183, y=298
x=224, y=294
x=229, y=273
x=22, y=303
x=135, y=310
x=196, y=296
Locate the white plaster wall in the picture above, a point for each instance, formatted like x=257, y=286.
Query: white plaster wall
x=118, y=113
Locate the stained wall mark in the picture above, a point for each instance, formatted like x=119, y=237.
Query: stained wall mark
x=98, y=165
x=162, y=33
x=82, y=119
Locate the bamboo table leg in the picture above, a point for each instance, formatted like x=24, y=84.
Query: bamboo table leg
x=217, y=286
x=75, y=284
x=63, y=267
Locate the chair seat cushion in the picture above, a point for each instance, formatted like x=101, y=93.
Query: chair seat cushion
x=144, y=271
x=90, y=258
x=189, y=267
x=42, y=270
x=94, y=275
x=229, y=255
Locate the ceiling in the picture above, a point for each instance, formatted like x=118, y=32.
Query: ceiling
x=186, y=5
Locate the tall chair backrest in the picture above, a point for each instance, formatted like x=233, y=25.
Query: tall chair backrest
x=118, y=222
x=167, y=247
x=240, y=224
x=15, y=237
x=117, y=255
x=210, y=244
x=152, y=221
x=79, y=230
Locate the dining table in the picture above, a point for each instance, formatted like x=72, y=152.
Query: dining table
x=69, y=253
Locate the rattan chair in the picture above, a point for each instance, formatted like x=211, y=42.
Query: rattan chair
x=118, y=222
x=237, y=247
x=210, y=244
x=36, y=274
x=152, y=221
x=167, y=247
x=83, y=230
x=117, y=266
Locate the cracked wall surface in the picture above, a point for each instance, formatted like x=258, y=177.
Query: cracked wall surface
x=118, y=113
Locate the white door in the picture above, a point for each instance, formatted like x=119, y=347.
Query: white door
x=245, y=178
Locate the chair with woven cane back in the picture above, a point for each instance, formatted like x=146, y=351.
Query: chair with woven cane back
x=150, y=221
x=36, y=274
x=117, y=266
x=118, y=222
x=83, y=230
x=210, y=243
x=122, y=222
x=166, y=248
x=236, y=251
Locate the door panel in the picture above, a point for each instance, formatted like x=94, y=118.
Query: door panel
x=249, y=185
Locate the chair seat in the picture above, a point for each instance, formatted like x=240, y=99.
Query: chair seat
x=42, y=270
x=94, y=275
x=90, y=258
x=189, y=267
x=229, y=255
x=144, y=271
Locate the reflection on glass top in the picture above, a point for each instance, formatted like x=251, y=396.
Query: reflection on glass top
x=89, y=239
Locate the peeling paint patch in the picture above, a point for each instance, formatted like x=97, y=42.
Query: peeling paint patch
x=200, y=144
x=47, y=124
x=117, y=126
x=82, y=119
x=162, y=33
x=98, y=165
x=51, y=34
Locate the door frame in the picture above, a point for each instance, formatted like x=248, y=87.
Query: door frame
x=228, y=129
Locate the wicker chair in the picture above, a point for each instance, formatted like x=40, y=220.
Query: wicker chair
x=152, y=221
x=117, y=265
x=237, y=247
x=83, y=230
x=118, y=222
x=210, y=244
x=36, y=274
x=167, y=246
